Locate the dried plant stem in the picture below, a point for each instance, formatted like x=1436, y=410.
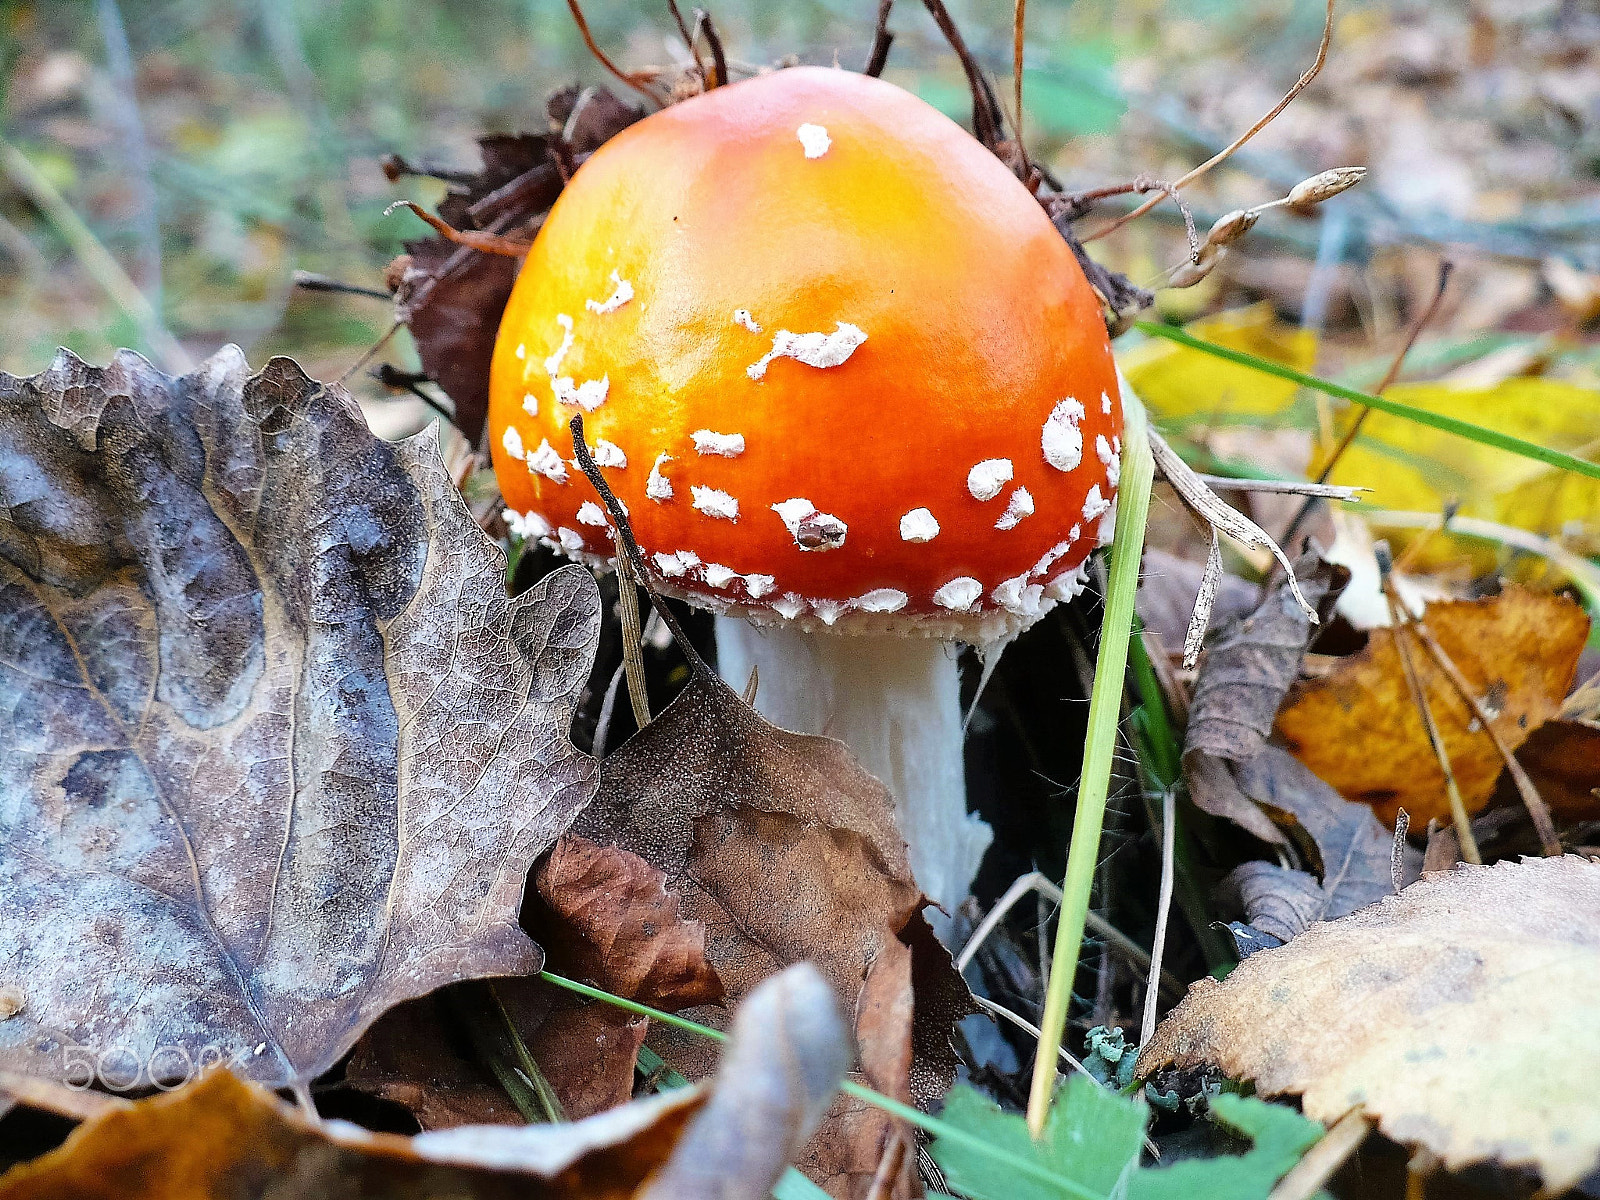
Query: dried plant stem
x=367, y=355
x=1105, y=708
x=1158, y=945
x=1028, y=1027
x=1228, y=151
x=474, y=239
x=1019, y=22
x=1103, y=929
x=882, y=39
x=703, y=25
x=1290, y=487
x=1342, y=1140
x=1538, y=810
x=600, y=55
x=310, y=281
x=1458, y=809
x=1389, y=376
x=96, y=259
x=632, y=656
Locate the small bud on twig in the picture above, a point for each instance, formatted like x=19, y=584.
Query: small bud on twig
x=1232, y=226
x=1309, y=193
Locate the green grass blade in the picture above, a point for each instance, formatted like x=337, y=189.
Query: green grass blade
x=905, y=1112
x=1100, y=743
x=1466, y=429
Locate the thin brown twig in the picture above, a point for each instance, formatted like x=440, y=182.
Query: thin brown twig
x=310, y=281
x=687, y=36
x=629, y=545
x=1419, y=697
x=1018, y=27
x=986, y=122
x=1393, y=373
x=366, y=357
x=600, y=55
x=882, y=39
x=474, y=239
x=683, y=26
x=1389, y=376
x=703, y=24
x=1232, y=148
x=1538, y=810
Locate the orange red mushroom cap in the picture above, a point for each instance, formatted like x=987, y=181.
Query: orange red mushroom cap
x=832, y=357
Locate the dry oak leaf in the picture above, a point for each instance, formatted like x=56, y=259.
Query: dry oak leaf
x=785, y=850
x=1358, y=727
x=281, y=750
x=601, y=914
x=221, y=1138
x=1463, y=1013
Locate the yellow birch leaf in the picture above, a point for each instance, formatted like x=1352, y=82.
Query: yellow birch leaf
x=1417, y=468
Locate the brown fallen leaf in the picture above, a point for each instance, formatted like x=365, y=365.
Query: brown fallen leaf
x=221, y=1138
x=1359, y=729
x=609, y=918
x=785, y=850
x=1461, y=1013
x=284, y=750
x=452, y=297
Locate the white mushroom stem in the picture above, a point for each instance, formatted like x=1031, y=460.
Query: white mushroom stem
x=896, y=702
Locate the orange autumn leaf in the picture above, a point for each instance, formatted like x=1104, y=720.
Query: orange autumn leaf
x=1359, y=729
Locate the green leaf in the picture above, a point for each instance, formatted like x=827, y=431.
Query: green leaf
x=1092, y=1137
x=1279, y=1136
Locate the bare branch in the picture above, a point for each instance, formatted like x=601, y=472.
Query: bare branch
x=1228, y=151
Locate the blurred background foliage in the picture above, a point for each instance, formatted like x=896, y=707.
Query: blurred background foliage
x=215, y=146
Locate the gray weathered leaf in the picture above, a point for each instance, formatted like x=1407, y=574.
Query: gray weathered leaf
x=1251, y=664
x=279, y=748
x=1353, y=848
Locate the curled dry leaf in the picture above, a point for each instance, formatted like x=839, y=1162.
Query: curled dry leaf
x=1278, y=901
x=1359, y=729
x=1461, y=1013
x=283, y=748
x=451, y=297
x=222, y=1138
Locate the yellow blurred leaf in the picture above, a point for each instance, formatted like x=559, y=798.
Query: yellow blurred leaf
x=1414, y=467
x=1177, y=383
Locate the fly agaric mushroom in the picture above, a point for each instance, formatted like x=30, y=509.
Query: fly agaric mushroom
x=851, y=387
